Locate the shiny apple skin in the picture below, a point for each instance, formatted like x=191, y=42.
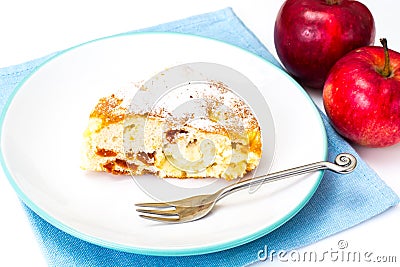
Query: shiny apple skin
x=362, y=104
x=311, y=35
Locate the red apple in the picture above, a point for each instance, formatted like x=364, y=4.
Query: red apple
x=362, y=96
x=311, y=35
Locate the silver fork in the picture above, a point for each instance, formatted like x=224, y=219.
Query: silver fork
x=196, y=207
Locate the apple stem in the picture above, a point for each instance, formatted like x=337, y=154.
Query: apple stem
x=386, y=71
x=333, y=2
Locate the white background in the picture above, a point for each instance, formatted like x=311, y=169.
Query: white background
x=32, y=29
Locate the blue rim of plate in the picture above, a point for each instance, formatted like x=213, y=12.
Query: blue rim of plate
x=147, y=251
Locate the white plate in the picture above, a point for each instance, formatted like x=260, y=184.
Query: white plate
x=42, y=132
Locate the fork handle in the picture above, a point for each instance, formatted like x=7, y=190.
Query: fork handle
x=344, y=163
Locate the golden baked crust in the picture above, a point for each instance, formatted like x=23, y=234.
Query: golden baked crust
x=225, y=143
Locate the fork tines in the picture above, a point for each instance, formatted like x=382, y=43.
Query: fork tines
x=158, y=212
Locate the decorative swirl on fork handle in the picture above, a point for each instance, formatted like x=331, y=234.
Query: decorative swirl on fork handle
x=345, y=163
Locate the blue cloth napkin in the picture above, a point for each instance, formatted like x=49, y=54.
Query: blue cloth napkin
x=339, y=202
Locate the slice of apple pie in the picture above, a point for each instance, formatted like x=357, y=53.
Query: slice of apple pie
x=196, y=131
